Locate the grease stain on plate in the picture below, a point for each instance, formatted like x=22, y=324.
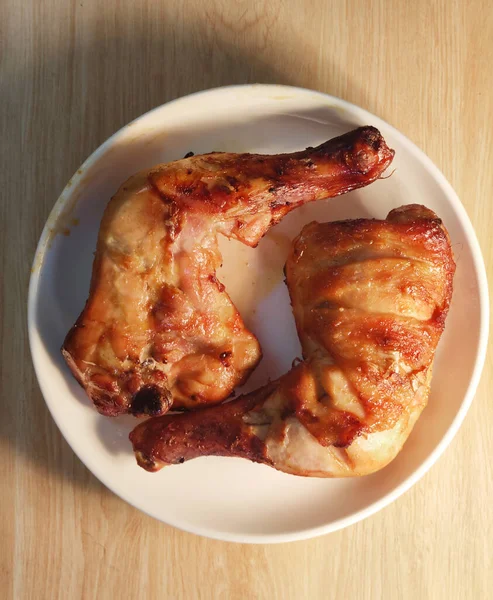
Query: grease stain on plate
x=261, y=270
x=60, y=223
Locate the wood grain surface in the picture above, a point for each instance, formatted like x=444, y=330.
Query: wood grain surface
x=74, y=71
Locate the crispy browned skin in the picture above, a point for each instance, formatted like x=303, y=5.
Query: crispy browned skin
x=370, y=300
x=158, y=328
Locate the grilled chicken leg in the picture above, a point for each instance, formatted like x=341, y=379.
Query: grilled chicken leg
x=370, y=300
x=158, y=328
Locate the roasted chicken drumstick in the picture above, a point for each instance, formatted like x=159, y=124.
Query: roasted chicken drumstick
x=370, y=300
x=158, y=328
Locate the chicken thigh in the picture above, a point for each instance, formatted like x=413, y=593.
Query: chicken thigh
x=370, y=299
x=158, y=329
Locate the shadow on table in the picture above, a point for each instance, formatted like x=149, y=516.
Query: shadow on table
x=85, y=90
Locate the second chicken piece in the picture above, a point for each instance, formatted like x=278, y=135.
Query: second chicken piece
x=370, y=300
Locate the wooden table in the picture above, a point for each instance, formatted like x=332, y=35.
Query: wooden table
x=72, y=73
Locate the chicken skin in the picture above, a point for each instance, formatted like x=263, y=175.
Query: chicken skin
x=370, y=300
x=158, y=329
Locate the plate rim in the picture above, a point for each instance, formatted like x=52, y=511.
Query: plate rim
x=424, y=467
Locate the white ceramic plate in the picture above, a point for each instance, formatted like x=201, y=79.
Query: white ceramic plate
x=232, y=499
